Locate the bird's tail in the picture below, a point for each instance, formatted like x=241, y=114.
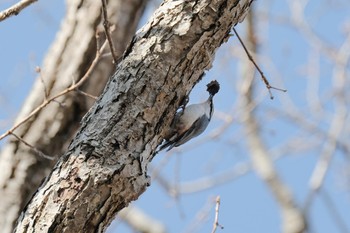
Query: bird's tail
x=169, y=144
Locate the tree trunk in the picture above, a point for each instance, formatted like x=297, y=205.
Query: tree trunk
x=105, y=167
x=69, y=57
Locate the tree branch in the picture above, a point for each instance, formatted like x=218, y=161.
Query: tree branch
x=263, y=77
x=216, y=220
x=292, y=216
x=106, y=25
x=15, y=9
x=105, y=167
x=73, y=87
x=53, y=127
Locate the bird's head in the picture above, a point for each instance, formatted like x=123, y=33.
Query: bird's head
x=213, y=87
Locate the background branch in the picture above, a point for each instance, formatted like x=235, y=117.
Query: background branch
x=50, y=129
x=292, y=218
x=15, y=9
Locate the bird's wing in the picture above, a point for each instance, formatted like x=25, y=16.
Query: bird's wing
x=196, y=129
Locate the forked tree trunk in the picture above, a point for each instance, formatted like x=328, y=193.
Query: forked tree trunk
x=105, y=167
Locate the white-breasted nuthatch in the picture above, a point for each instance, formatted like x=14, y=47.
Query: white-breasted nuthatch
x=191, y=121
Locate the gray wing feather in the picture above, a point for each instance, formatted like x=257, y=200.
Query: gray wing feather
x=196, y=129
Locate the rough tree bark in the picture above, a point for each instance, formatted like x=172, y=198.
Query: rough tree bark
x=69, y=57
x=105, y=167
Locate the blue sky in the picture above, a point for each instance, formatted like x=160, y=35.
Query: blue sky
x=286, y=55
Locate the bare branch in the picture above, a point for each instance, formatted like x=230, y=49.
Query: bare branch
x=266, y=82
x=15, y=9
x=216, y=220
x=86, y=94
x=107, y=30
x=293, y=219
x=205, y=183
x=140, y=221
x=338, y=124
x=64, y=92
x=40, y=153
x=38, y=71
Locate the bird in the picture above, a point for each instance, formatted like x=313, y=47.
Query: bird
x=191, y=121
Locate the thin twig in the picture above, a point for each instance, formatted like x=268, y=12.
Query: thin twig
x=15, y=9
x=62, y=93
x=38, y=71
x=216, y=220
x=40, y=153
x=266, y=82
x=86, y=94
x=107, y=30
